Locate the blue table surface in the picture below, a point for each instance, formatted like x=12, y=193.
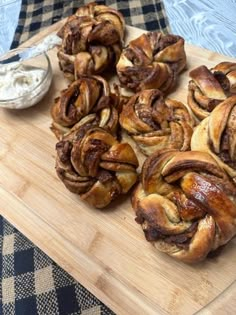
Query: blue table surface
x=9, y=14
x=206, y=23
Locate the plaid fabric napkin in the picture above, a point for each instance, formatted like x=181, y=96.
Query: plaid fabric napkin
x=33, y=284
x=35, y=15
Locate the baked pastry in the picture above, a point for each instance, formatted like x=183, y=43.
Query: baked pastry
x=216, y=135
x=208, y=88
x=92, y=163
x=152, y=61
x=185, y=204
x=92, y=41
x=86, y=100
x=155, y=123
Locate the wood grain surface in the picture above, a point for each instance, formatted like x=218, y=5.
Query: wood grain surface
x=206, y=23
x=104, y=250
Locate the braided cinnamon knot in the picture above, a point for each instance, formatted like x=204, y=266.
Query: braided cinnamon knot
x=87, y=100
x=152, y=61
x=216, y=135
x=91, y=40
x=208, y=88
x=185, y=204
x=92, y=163
x=155, y=123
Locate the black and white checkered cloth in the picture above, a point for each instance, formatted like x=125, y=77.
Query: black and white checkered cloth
x=33, y=284
x=38, y=14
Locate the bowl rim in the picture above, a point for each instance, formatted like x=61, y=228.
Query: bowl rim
x=47, y=72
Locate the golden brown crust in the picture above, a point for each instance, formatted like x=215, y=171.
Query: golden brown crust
x=152, y=61
x=91, y=40
x=229, y=70
x=216, y=135
x=185, y=204
x=92, y=163
x=208, y=88
x=155, y=123
x=87, y=100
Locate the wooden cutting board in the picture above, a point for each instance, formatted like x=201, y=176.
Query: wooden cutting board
x=104, y=250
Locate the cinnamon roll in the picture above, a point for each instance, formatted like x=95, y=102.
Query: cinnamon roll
x=92, y=163
x=152, y=61
x=155, y=123
x=92, y=41
x=216, y=135
x=86, y=100
x=208, y=88
x=185, y=204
